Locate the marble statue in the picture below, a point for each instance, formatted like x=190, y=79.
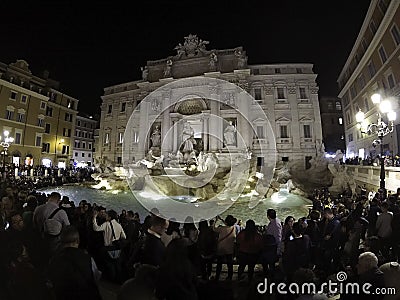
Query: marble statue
x=213, y=61
x=179, y=156
x=168, y=67
x=241, y=59
x=229, y=134
x=156, y=137
x=188, y=138
x=201, y=162
x=145, y=73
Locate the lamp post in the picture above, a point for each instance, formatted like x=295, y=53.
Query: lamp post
x=5, y=143
x=383, y=107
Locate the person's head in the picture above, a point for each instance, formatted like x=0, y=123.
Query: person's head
x=130, y=215
x=251, y=226
x=289, y=221
x=112, y=215
x=31, y=202
x=384, y=206
x=271, y=214
x=82, y=203
x=303, y=222
x=230, y=220
x=6, y=203
x=367, y=261
x=158, y=224
x=328, y=213
x=136, y=216
x=16, y=221
x=297, y=229
x=55, y=198
x=123, y=212
x=203, y=225
x=70, y=237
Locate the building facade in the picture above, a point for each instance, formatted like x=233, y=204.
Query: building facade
x=372, y=66
x=84, y=141
x=287, y=93
x=39, y=117
x=332, y=124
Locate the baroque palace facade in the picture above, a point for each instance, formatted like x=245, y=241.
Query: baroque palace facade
x=40, y=118
x=286, y=93
x=372, y=66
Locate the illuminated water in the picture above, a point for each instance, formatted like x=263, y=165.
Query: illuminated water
x=284, y=203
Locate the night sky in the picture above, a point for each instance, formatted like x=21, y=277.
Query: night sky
x=91, y=46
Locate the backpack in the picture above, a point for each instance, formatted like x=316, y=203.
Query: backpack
x=52, y=227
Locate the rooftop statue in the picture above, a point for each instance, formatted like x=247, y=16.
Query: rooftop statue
x=191, y=47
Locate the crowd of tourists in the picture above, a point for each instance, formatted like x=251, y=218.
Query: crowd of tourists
x=51, y=249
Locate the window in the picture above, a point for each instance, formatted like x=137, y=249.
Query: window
x=17, y=139
x=70, y=103
x=350, y=137
x=280, y=93
x=13, y=95
x=299, y=70
x=382, y=54
x=24, y=98
x=303, y=94
x=83, y=154
x=76, y=153
x=371, y=69
x=372, y=27
x=383, y=7
x=284, y=131
x=79, y=123
x=65, y=149
x=277, y=71
x=361, y=81
x=47, y=128
x=257, y=94
x=83, y=145
x=46, y=147
x=123, y=106
x=338, y=105
x=120, y=137
x=67, y=132
x=340, y=121
x=68, y=117
x=107, y=139
x=9, y=114
x=260, y=132
x=366, y=104
x=90, y=146
x=364, y=45
x=307, y=131
x=353, y=91
x=20, y=117
x=256, y=71
x=42, y=105
x=330, y=105
x=40, y=122
x=89, y=155
x=109, y=109
x=38, y=141
x=395, y=34
x=391, y=81
x=49, y=111
x=119, y=160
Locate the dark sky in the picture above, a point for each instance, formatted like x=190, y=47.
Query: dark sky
x=90, y=46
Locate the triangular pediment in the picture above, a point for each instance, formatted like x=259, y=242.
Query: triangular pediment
x=306, y=119
x=282, y=119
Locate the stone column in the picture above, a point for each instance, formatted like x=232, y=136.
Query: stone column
x=175, y=137
x=214, y=121
x=143, y=129
x=205, y=132
x=166, y=125
x=244, y=134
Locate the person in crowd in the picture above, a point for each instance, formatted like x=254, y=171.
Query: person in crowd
x=173, y=232
x=226, y=244
x=330, y=233
x=43, y=212
x=274, y=228
x=73, y=273
x=207, y=248
x=177, y=276
x=287, y=229
x=27, y=215
x=249, y=243
x=297, y=251
x=153, y=248
x=391, y=275
x=142, y=286
x=384, y=228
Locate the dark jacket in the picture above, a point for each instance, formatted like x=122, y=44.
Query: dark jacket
x=70, y=272
x=153, y=250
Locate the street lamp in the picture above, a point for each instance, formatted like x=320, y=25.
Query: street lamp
x=383, y=107
x=5, y=143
